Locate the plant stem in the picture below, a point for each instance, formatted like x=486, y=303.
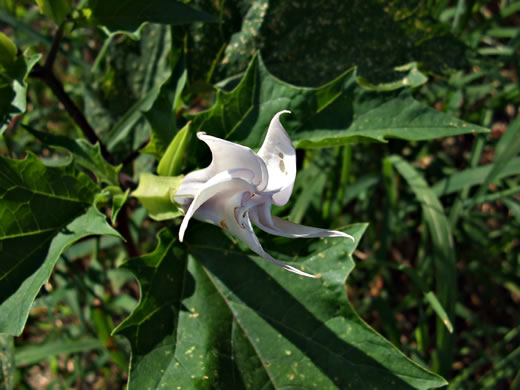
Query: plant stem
x=47, y=75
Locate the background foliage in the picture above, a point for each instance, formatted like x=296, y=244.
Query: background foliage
x=391, y=102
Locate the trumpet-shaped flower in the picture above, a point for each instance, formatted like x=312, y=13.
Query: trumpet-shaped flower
x=239, y=187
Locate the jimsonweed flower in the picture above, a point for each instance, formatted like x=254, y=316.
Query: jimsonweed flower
x=240, y=186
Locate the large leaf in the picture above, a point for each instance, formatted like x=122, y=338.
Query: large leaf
x=14, y=69
x=223, y=319
x=337, y=113
x=128, y=15
x=309, y=44
x=39, y=210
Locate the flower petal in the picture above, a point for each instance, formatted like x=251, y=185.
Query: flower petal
x=227, y=155
x=279, y=156
x=281, y=227
x=227, y=210
x=243, y=230
x=233, y=181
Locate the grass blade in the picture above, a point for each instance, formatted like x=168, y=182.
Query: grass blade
x=444, y=256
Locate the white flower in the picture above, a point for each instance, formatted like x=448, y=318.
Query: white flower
x=239, y=187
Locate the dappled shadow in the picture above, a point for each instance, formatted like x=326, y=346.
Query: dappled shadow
x=340, y=359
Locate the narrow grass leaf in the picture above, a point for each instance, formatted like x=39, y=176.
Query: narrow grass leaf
x=444, y=255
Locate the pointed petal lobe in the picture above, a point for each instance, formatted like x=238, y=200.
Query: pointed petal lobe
x=281, y=227
x=279, y=156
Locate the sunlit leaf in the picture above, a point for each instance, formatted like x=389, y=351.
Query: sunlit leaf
x=221, y=318
x=156, y=195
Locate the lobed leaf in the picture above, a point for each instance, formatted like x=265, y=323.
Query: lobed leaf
x=337, y=113
x=85, y=154
x=306, y=44
x=42, y=210
x=14, y=69
x=222, y=319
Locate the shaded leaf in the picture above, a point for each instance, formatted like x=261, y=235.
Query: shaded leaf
x=503, y=158
x=306, y=43
x=474, y=176
x=337, y=113
x=162, y=115
x=42, y=210
x=36, y=353
x=128, y=15
x=237, y=322
x=84, y=153
x=13, y=88
x=7, y=363
x=56, y=9
x=444, y=257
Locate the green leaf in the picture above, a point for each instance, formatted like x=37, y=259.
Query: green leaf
x=124, y=126
x=118, y=201
x=56, y=9
x=7, y=363
x=222, y=319
x=42, y=210
x=7, y=52
x=36, y=353
x=139, y=71
x=337, y=113
x=171, y=162
x=13, y=88
x=35, y=267
x=474, y=176
x=156, y=195
x=504, y=158
x=128, y=15
x=84, y=153
x=444, y=256
x=162, y=115
x=308, y=45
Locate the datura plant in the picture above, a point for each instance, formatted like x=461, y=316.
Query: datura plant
x=240, y=186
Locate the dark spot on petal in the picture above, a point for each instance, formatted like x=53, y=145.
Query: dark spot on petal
x=282, y=166
x=280, y=155
x=223, y=224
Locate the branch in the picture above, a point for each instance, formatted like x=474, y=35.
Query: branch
x=47, y=75
x=51, y=57
x=123, y=228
